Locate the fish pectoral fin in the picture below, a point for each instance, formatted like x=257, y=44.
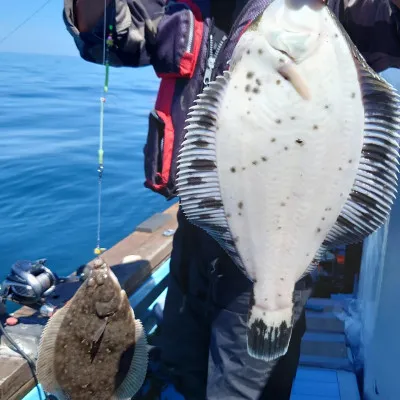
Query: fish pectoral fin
x=290, y=73
x=96, y=340
x=100, y=331
x=269, y=332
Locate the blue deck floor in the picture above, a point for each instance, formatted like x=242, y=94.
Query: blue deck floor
x=310, y=384
x=324, y=384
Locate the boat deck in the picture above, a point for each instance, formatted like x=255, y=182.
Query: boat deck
x=324, y=384
x=325, y=371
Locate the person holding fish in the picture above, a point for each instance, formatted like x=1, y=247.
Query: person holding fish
x=260, y=104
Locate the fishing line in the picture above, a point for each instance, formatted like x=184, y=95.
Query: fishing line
x=29, y=360
x=107, y=43
x=25, y=21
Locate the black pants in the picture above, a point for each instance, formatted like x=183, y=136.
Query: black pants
x=203, y=340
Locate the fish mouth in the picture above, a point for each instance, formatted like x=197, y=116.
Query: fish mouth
x=313, y=4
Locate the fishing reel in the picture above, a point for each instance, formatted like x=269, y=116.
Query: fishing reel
x=29, y=283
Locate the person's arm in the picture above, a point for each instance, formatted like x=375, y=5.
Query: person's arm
x=134, y=23
x=374, y=27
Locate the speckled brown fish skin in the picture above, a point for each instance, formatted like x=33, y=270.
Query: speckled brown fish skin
x=96, y=341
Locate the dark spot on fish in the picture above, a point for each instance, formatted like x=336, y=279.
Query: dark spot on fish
x=318, y=230
x=353, y=95
x=286, y=148
x=240, y=204
x=228, y=215
x=341, y=194
x=328, y=209
x=220, y=229
x=247, y=88
x=256, y=90
x=260, y=51
x=236, y=239
x=249, y=75
x=279, y=228
x=233, y=169
x=340, y=168
x=235, y=86
x=279, y=295
x=282, y=279
x=264, y=314
x=248, y=51
x=281, y=60
x=300, y=142
x=194, y=180
x=255, y=162
x=210, y=202
x=278, y=121
x=248, y=113
x=283, y=204
x=350, y=161
x=326, y=106
x=263, y=158
x=243, y=168
x=273, y=140
x=240, y=214
x=258, y=82
x=205, y=216
x=336, y=35
x=315, y=127
x=308, y=254
x=278, y=82
x=201, y=143
x=203, y=165
x=293, y=118
x=323, y=218
x=249, y=98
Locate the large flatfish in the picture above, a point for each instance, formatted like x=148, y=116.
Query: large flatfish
x=93, y=347
x=293, y=149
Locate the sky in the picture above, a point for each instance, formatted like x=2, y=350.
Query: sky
x=45, y=33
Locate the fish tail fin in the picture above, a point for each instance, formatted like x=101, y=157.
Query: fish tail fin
x=269, y=332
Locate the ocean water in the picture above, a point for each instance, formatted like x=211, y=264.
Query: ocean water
x=49, y=134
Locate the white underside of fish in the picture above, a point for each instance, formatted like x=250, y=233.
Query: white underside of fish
x=272, y=153
x=294, y=159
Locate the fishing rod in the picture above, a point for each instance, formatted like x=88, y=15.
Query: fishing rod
x=24, y=21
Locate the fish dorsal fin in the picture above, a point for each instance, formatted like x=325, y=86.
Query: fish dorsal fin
x=374, y=190
x=137, y=371
x=44, y=365
x=197, y=177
